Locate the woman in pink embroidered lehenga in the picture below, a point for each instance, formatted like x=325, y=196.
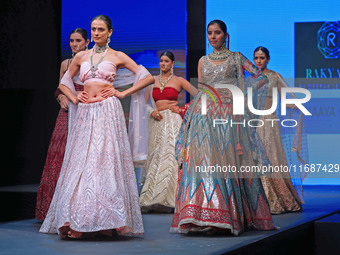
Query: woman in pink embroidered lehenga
x=97, y=190
x=56, y=150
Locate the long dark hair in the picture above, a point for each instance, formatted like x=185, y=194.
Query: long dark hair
x=223, y=27
x=82, y=32
x=169, y=54
x=104, y=18
x=264, y=50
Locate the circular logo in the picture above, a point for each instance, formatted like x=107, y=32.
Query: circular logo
x=329, y=40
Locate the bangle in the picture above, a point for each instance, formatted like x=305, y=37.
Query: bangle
x=60, y=97
x=152, y=111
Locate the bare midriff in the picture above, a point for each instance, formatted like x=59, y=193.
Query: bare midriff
x=94, y=90
x=165, y=104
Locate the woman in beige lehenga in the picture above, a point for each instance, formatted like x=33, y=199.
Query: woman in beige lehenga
x=281, y=194
x=159, y=190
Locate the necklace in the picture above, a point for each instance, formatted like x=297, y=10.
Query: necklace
x=100, y=49
x=220, y=55
x=95, y=67
x=165, y=82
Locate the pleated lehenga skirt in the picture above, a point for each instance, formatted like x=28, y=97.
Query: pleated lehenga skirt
x=161, y=167
x=281, y=194
x=214, y=193
x=97, y=187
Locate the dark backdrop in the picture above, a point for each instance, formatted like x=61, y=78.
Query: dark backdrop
x=29, y=73
x=195, y=35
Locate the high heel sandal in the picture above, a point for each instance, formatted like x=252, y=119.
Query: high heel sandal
x=63, y=231
x=75, y=234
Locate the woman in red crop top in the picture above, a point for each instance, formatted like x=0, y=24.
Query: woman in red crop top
x=97, y=190
x=159, y=190
x=56, y=150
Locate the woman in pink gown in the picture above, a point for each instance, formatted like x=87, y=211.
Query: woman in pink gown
x=97, y=190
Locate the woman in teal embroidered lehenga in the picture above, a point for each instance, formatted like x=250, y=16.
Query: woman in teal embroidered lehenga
x=217, y=200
